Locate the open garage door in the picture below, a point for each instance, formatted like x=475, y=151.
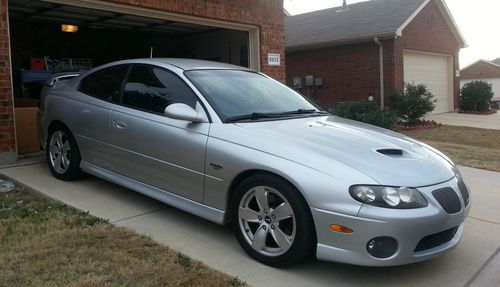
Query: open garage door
x=99, y=32
x=102, y=36
x=436, y=72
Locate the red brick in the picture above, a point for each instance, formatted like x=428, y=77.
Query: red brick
x=480, y=70
x=351, y=72
x=267, y=15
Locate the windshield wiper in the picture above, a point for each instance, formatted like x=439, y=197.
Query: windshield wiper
x=252, y=116
x=302, y=112
x=256, y=116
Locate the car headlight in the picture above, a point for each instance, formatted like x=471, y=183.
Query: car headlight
x=388, y=196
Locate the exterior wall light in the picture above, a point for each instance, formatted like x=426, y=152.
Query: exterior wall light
x=69, y=28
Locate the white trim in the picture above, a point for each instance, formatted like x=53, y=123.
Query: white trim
x=399, y=31
x=452, y=24
x=447, y=17
x=253, y=30
x=479, y=61
x=428, y=53
x=470, y=65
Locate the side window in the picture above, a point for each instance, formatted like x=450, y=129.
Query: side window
x=105, y=84
x=153, y=89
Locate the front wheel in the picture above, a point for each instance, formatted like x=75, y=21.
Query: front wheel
x=63, y=156
x=272, y=221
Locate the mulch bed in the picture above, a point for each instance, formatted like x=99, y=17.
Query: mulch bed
x=422, y=125
x=489, y=112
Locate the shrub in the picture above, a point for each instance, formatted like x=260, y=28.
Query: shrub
x=415, y=103
x=475, y=96
x=366, y=112
x=495, y=105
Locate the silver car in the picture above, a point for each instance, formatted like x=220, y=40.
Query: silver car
x=234, y=146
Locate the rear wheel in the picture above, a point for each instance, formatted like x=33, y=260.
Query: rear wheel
x=272, y=221
x=63, y=156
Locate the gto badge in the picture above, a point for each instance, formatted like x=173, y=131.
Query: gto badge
x=216, y=166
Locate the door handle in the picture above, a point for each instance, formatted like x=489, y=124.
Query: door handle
x=119, y=124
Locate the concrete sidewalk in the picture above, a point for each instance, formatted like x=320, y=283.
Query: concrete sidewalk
x=474, y=263
x=468, y=120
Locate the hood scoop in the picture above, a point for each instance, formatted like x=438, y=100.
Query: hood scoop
x=392, y=152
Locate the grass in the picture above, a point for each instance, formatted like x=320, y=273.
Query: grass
x=479, y=148
x=49, y=244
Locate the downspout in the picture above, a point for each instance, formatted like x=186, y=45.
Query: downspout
x=381, y=59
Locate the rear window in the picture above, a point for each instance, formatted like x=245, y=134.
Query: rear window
x=105, y=84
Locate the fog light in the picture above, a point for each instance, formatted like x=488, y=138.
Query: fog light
x=382, y=247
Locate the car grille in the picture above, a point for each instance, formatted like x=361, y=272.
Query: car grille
x=436, y=239
x=464, y=191
x=448, y=199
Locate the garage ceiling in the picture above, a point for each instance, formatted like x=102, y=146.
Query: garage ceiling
x=38, y=11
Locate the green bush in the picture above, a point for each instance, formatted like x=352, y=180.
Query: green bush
x=475, y=96
x=415, y=103
x=366, y=112
x=495, y=105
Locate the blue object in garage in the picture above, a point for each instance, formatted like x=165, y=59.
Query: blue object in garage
x=34, y=76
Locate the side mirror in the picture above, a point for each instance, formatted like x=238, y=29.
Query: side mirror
x=183, y=112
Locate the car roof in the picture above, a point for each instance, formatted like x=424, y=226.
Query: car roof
x=187, y=64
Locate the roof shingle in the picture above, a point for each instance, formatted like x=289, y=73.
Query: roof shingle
x=359, y=21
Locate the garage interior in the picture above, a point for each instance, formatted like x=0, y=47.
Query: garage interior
x=40, y=47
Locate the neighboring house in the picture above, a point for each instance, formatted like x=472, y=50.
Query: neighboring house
x=488, y=71
x=238, y=32
x=418, y=41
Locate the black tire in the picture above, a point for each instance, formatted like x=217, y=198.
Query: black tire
x=73, y=170
x=304, y=242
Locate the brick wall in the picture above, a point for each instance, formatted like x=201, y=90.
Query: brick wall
x=265, y=14
x=350, y=72
x=481, y=70
x=428, y=32
x=7, y=131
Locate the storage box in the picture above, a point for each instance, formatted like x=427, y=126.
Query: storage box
x=27, y=130
x=37, y=64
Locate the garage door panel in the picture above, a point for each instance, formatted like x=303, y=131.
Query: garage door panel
x=434, y=71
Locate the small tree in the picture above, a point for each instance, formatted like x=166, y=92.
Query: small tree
x=415, y=103
x=366, y=112
x=476, y=96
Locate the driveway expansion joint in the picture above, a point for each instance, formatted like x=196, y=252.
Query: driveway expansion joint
x=137, y=215
x=480, y=270
x=485, y=220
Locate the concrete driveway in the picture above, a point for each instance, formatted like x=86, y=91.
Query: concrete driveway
x=467, y=120
x=474, y=263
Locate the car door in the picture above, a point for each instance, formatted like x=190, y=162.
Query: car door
x=91, y=112
x=151, y=148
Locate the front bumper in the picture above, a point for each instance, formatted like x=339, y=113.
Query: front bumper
x=407, y=226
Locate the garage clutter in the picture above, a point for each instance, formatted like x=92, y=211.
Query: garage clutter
x=28, y=84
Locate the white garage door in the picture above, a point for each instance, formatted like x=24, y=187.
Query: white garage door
x=436, y=72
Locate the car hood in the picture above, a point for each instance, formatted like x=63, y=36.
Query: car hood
x=318, y=141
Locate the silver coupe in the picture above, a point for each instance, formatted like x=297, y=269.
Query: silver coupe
x=234, y=146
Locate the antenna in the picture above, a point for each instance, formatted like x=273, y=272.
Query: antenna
x=151, y=52
x=344, y=7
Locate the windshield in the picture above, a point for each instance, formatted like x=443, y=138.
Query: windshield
x=236, y=93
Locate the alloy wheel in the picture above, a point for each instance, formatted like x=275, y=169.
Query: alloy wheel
x=267, y=221
x=59, y=151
